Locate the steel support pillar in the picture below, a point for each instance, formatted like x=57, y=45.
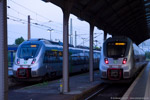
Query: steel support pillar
x=66, y=14
x=65, y=53
x=91, y=54
x=3, y=51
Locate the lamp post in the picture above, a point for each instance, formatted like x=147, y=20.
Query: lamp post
x=49, y=30
x=96, y=43
x=83, y=40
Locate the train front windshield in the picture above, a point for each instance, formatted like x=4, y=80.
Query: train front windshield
x=28, y=51
x=116, y=50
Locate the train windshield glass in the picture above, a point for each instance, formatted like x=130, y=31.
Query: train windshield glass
x=116, y=50
x=28, y=51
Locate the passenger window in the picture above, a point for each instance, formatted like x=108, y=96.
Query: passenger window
x=55, y=53
x=60, y=53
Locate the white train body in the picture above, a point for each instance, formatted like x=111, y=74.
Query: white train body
x=39, y=58
x=118, y=58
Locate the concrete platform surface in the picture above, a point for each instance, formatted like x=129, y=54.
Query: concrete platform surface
x=79, y=85
x=140, y=88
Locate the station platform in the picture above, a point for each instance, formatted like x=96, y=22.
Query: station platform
x=79, y=86
x=140, y=88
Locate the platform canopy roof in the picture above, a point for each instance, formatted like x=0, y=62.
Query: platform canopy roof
x=117, y=17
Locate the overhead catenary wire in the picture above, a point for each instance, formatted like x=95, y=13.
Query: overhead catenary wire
x=48, y=20
x=29, y=10
x=16, y=11
x=36, y=24
x=89, y=39
x=19, y=19
x=44, y=27
x=39, y=23
x=23, y=21
x=58, y=24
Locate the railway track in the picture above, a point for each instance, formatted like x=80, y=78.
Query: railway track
x=111, y=91
x=108, y=92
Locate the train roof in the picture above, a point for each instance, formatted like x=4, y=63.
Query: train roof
x=50, y=42
x=59, y=44
x=118, y=38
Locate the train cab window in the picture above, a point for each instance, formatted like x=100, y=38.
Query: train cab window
x=116, y=49
x=28, y=51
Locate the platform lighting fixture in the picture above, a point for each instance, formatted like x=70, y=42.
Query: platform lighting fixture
x=50, y=30
x=83, y=40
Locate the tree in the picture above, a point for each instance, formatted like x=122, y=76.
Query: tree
x=97, y=48
x=19, y=40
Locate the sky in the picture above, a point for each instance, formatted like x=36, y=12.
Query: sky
x=45, y=16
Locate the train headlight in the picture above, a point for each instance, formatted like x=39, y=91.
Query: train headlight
x=124, y=61
x=33, y=61
x=106, y=61
x=18, y=61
